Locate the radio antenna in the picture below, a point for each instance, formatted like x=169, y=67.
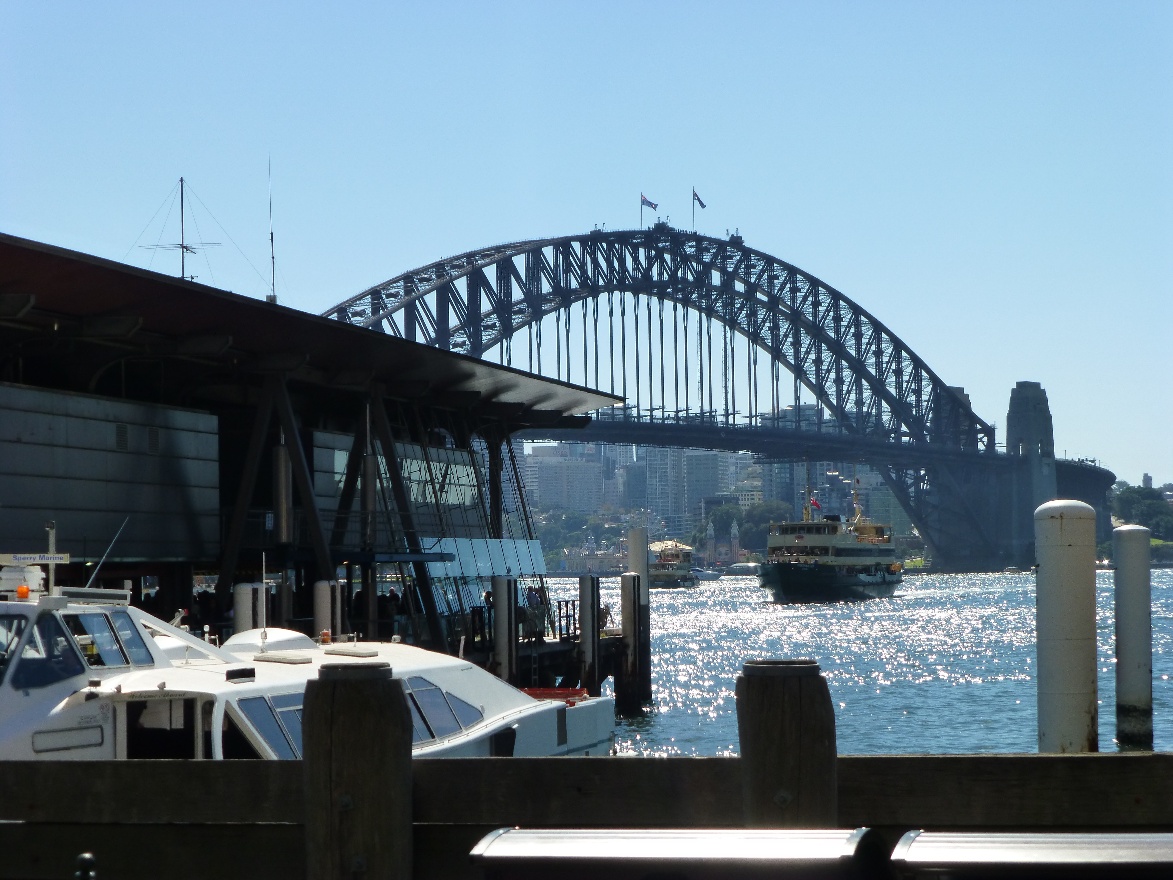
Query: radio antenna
x=183, y=247
x=272, y=250
x=107, y=553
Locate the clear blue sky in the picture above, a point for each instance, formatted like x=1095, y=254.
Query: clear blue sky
x=991, y=180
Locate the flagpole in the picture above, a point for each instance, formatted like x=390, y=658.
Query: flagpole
x=641, y=210
x=694, y=209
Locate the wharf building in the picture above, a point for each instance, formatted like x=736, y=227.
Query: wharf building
x=175, y=440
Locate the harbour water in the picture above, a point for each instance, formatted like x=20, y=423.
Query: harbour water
x=945, y=666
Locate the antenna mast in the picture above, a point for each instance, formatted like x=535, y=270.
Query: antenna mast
x=183, y=247
x=182, y=240
x=272, y=250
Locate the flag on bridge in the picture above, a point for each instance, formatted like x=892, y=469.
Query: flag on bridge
x=815, y=504
x=697, y=198
x=645, y=202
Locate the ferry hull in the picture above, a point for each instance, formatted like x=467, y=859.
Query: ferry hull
x=670, y=580
x=799, y=582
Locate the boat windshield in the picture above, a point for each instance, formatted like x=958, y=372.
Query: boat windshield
x=12, y=627
x=48, y=655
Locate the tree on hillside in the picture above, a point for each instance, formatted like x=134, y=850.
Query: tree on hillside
x=755, y=524
x=1145, y=507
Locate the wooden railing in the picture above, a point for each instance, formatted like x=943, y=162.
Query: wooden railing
x=260, y=820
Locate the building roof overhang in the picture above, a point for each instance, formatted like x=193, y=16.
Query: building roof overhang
x=50, y=295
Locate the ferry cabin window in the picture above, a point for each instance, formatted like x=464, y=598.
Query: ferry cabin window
x=435, y=709
x=48, y=656
x=96, y=638
x=288, y=707
x=12, y=627
x=132, y=640
x=466, y=713
x=436, y=713
x=234, y=742
x=260, y=714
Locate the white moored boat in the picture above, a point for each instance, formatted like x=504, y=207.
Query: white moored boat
x=85, y=676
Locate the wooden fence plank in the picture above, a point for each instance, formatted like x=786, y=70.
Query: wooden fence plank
x=582, y=792
x=138, y=812
x=1002, y=791
x=153, y=791
x=48, y=851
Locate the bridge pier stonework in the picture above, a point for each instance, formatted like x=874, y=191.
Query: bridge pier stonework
x=1030, y=438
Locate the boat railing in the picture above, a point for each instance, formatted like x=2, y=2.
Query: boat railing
x=566, y=620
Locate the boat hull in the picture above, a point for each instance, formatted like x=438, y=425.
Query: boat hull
x=672, y=580
x=801, y=582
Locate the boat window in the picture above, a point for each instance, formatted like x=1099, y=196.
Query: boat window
x=433, y=706
x=466, y=713
x=48, y=656
x=12, y=627
x=234, y=742
x=96, y=639
x=132, y=639
x=260, y=714
x=419, y=727
x=288, y=708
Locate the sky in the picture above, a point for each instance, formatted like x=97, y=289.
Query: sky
x=992, y=181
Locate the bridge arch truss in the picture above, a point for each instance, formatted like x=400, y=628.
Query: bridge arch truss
x=683, y=325
x=692, y=329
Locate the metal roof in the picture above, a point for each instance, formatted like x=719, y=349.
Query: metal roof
x=49, y=294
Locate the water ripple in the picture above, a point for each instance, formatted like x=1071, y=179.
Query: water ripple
x=944, y=666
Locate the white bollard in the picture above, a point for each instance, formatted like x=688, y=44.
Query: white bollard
x=1134, y=637
x=328, y=608
x=1065, y=625
x=245, y=615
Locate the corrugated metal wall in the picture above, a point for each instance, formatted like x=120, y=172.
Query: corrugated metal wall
x=89, y=463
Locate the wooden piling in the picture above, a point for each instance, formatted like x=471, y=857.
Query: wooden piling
x=633, y=684
x=588, y=632
x=357, y=763
x=637, y=561
x=505, y=628
x=786, y=728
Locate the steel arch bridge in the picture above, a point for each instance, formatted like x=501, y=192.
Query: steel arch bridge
x=714, y=344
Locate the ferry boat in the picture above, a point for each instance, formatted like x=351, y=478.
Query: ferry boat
x=830, y=560
x=84, y=675
x=670, y=565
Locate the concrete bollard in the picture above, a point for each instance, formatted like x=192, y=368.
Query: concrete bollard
x=248, y=607
x=1065, y=625
x=1134, y=637
x=588, y=632
x=356, y=737
x=505, y=627
x=786, y=729
x=328, y=608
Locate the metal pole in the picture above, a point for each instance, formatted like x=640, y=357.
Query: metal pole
x=51, y=528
